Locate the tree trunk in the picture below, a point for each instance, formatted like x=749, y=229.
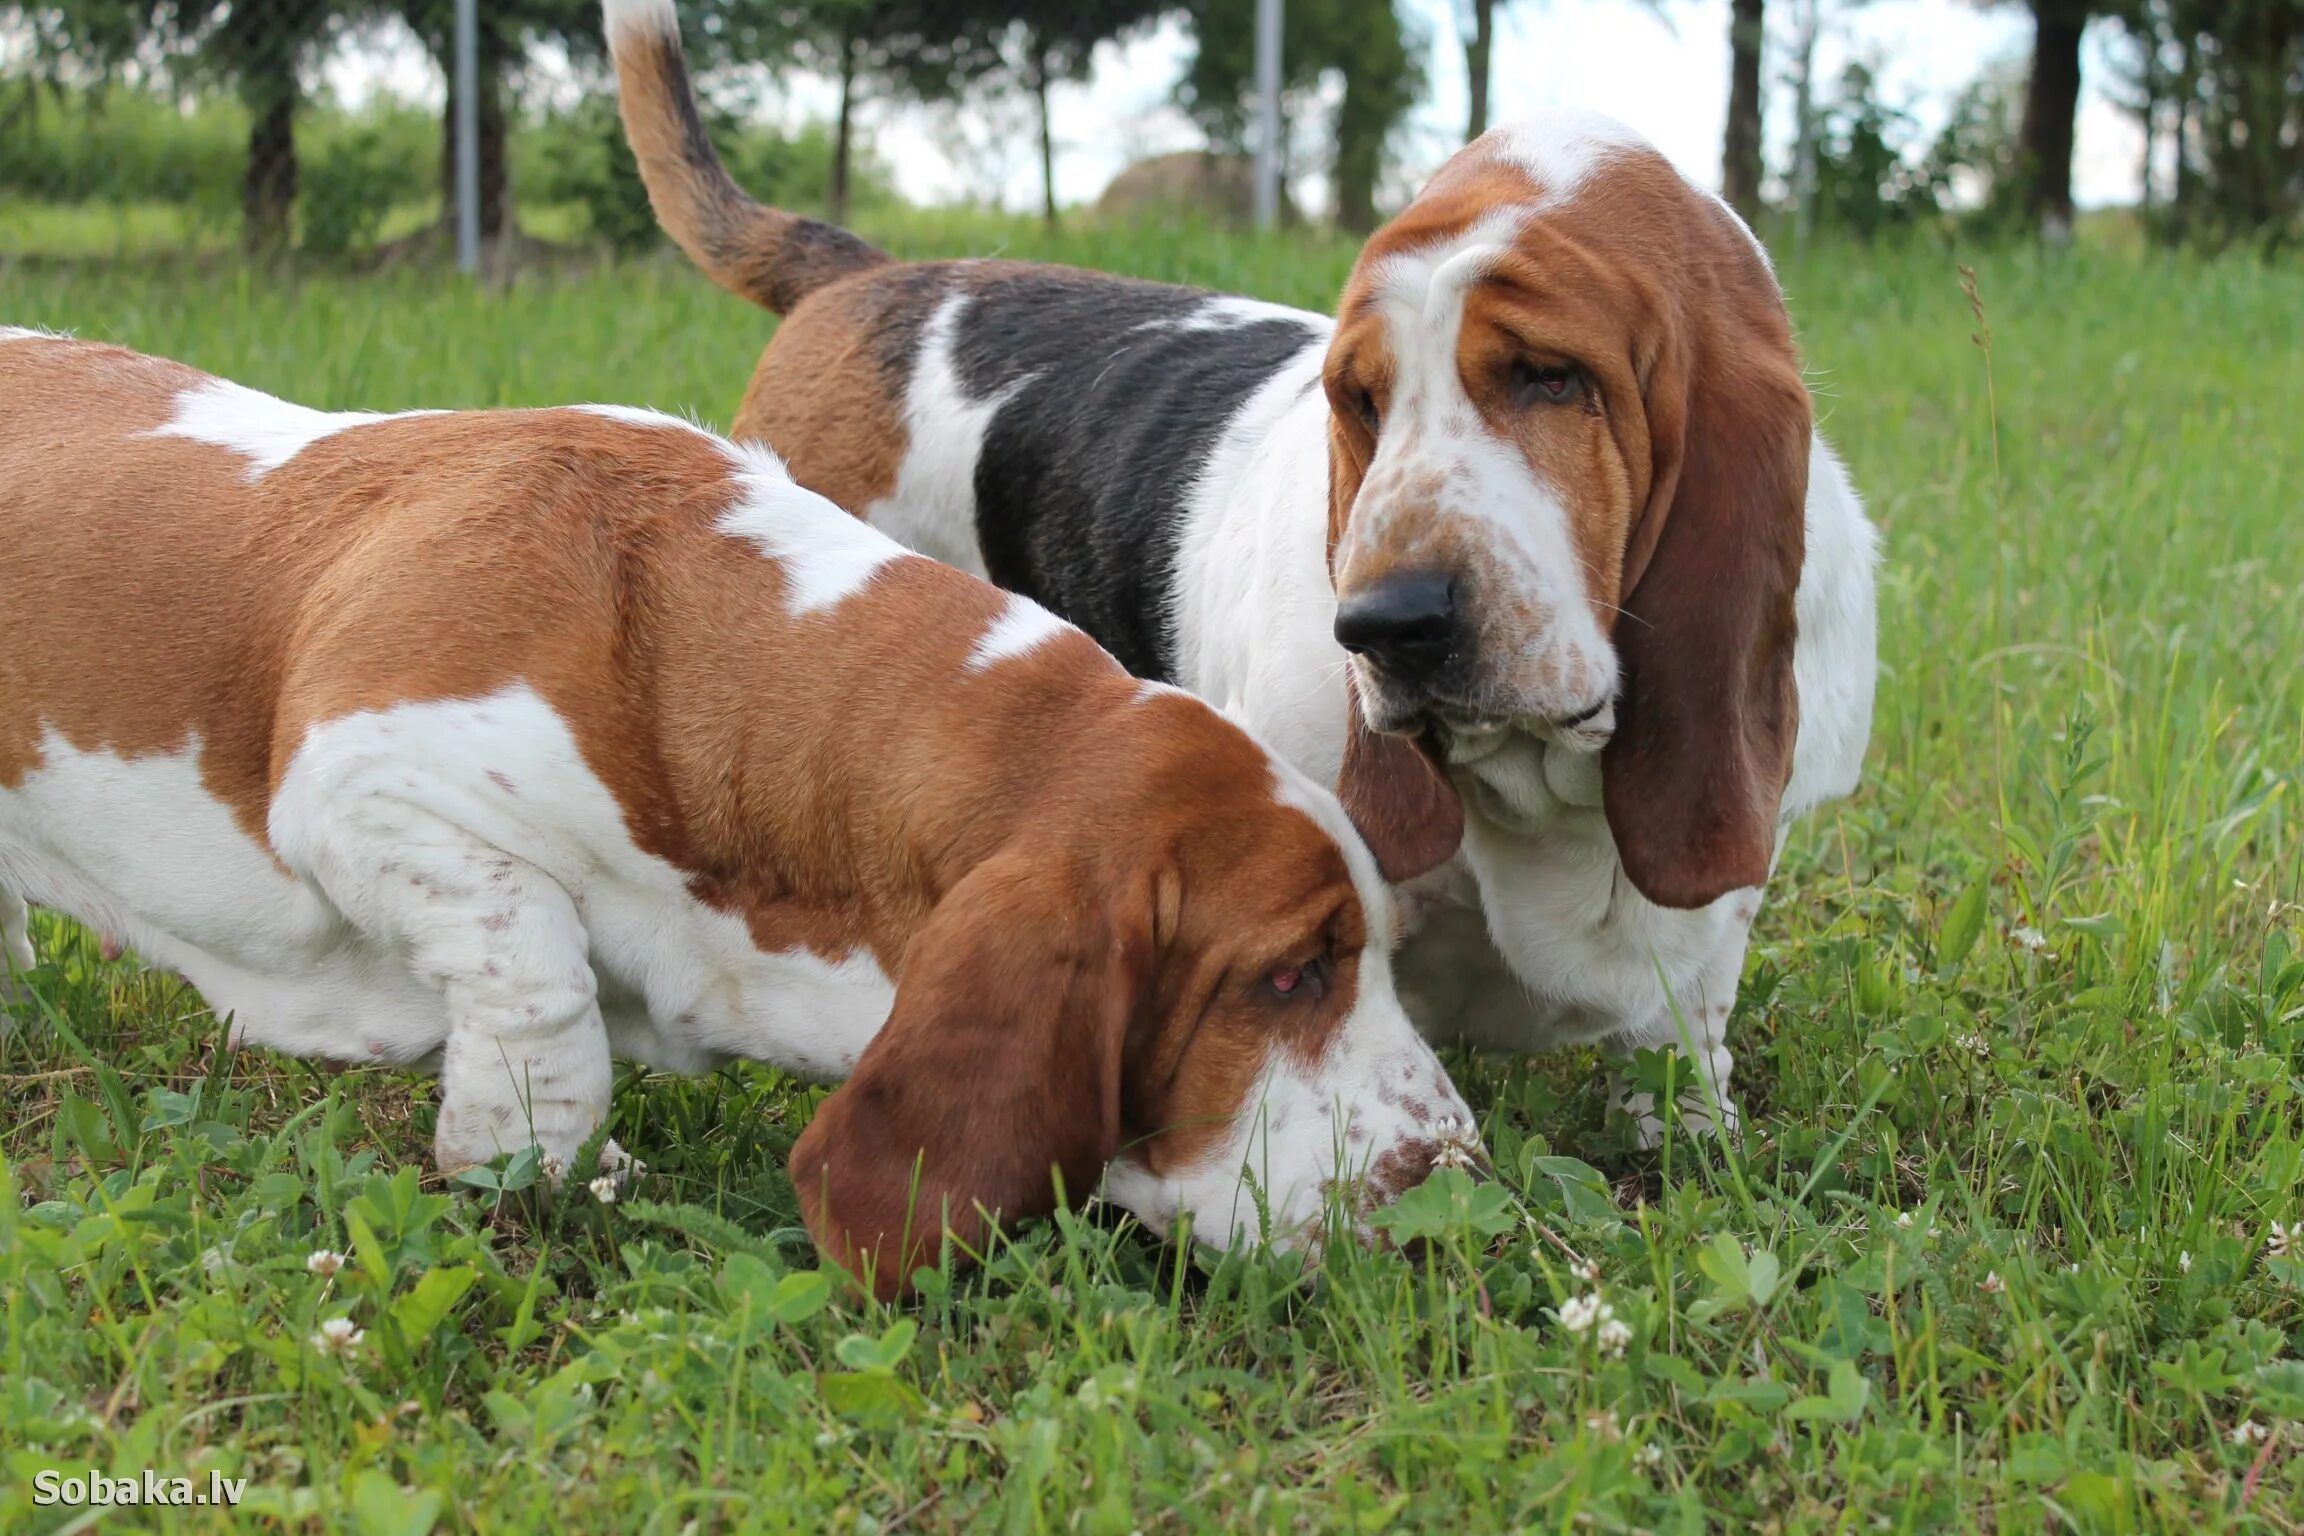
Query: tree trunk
x=1804, y=123
x=2051, y=104
x=1047, y=135
x=1740, y=166
x=1359, y=159
x=268, y=190
x=2154, y=89
x=1477, y=50
x=843, y=128
x=2263, y=161
x=495, y=185
x=2182, y=189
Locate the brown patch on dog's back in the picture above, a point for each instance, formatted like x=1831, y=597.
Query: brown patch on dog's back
x=105, y=525
x=842, y=433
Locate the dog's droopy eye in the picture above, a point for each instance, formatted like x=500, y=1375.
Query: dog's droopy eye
x=1544, y=384
x=1307, y=978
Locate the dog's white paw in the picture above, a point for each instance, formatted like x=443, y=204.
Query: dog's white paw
x=615, y=1160
x=619, y=1171
x=1697, y=1115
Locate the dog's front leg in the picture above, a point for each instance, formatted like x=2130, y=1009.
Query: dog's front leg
x=526, y=1057
x=527, y=1054
x=1693, y=1024
x=16, y=958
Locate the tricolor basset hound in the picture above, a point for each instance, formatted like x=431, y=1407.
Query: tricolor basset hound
x=1534, y=542
x=511, y=740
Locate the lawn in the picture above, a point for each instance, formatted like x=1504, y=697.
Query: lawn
x=2022, y=1041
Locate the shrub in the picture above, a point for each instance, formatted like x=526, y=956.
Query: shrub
x=579, y=156
x=357, y=170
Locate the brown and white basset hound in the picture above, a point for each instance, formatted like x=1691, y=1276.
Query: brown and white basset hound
x=509, y=740
x=1532, y=549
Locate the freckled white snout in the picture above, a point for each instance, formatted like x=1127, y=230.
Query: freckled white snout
x=1368, y=1118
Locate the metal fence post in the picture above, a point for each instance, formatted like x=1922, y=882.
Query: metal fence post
x=1267, y=113
x=468, y=135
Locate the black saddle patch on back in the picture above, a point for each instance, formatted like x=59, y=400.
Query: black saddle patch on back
x=1082, y=481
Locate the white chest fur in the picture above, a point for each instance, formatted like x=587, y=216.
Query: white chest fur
x=1532, y=937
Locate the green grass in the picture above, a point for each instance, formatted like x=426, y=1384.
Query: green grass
x=2038, y=988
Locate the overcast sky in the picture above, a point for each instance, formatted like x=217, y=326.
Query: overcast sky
x=1660, y=70
x=1663, y=69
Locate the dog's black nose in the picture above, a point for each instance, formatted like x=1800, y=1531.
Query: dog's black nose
x=1405, y=624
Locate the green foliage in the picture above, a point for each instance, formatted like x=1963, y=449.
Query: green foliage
x=1978, y=151
x=2021, y=1041
x=1365, y=43
x=123, y=146
x=579, y=156
x=2222, y=84
x=355, y=177
x=1867, y=182
x=120, y=145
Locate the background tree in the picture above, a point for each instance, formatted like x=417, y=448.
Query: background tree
x=1052, y=40
x=2221, y=82
x=1363, y=44
x=1479, y=49
x=1740, y=153
x=257, y=51
x=507, y=31
x=924, y=50
x=2051, y=112
x=263, y=51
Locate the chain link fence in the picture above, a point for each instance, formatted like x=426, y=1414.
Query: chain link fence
x=327, y=129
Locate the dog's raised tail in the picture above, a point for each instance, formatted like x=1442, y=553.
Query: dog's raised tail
x=764, y=254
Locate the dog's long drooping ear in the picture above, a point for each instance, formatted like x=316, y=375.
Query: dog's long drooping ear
x=998, y=1070
x=1708, y=713
x=1399, y=797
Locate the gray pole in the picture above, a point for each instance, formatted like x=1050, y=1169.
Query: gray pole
x=1267, y=113
x=468, y=134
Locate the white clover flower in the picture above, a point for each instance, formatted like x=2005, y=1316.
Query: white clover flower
x=337, y=1336
x=1614, y=1337
x=1579, y=1313
x=604, y=1188
x=1603, y=1424
x=324, y=1262
x=1454, y=1154
x=1650, y=1455
x=1586, y=1270
x=2249, y=1432
x=2184, y=1263
x=2280, y=1239
x=1993, y=1284
x=2030, y=939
